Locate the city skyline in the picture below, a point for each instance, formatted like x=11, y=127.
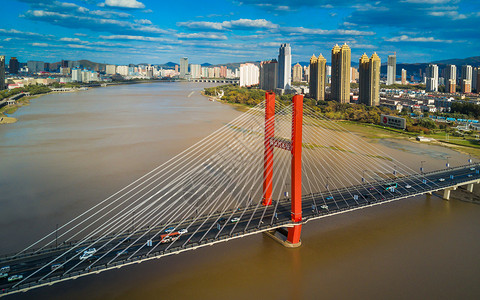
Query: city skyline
x=130, y=31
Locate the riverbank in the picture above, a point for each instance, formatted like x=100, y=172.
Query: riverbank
x=369, y=130
x=8, y=110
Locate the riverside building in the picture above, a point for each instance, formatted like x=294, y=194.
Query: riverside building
x=369, y=80
x=341, y=63
x=317, y=77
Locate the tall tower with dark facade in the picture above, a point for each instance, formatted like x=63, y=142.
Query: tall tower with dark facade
x=13, y=65
x=341, y=64
x=268, y=75
x=2, y=72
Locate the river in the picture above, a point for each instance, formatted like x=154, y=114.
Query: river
x=69, y=151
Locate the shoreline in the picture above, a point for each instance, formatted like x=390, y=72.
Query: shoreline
x=374, y=132
x=6, y=117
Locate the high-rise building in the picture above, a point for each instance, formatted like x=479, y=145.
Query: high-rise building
x=183, y=67
x=249, y=74
x=317, y=77
x=369, y=80
x=64, y=64
x=35, y=66
x=306, y=72
x=451, y=78
x=341, y=61
x=216, y=72
x=2, y=72
x=284, y=67
x=77, y=75
x=466, y=86
x=431, y=74
x=353, y=75
x=475, y=80
x=223, y=71
x=123, y=70
x=467, y=72
x=478, y=80
x=297, y=73
x=13, y=65
x=110, y=70
x=404, y=76
x=268, y=75
x=195, y=70
x=391, y=69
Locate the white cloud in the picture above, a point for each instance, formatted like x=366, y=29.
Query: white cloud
x=70, y=40
x=427, y=1
x=134, y=38
x=227, y=25
x=93, y=23
x=40, y=44
x=454, y=15
x=314, y=31
x=209, y=36
x=124, y=3
x=80, y=34
x=144, y=22
x=269, y=44
x=406, y=38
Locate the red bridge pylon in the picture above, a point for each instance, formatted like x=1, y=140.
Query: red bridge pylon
x=295, y=147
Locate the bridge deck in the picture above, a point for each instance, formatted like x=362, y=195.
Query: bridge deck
x=207, y=230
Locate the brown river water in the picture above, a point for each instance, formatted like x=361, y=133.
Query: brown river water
x=69, y=151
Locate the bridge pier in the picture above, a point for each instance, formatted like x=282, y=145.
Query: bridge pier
x=280, y=236
x=446, y=192
x=470, y=187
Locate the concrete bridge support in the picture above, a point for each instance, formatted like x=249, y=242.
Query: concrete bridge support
x=446, y=192
x=470, y=187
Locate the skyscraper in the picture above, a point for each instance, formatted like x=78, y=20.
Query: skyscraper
x=284, y=67
x=297, y=73
x=404, y=76
x=451, y=78
x=249, y=74
x=268, y=75
x=2, y=72
x=391, y=69
x=13, y=65
x=369, y=80
x=466, y=86
x=317, y=77
x=341, y=61
x=431, y=74
x=477, y=85
x=475, y=80
x=467, y=72
x=183, y=67
x=195, y=70
x=35, y=66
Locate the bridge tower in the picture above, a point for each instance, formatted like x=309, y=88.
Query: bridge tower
x=295, y=148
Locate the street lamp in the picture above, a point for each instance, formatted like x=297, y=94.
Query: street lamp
x=469, y=158
x=447, y=164
x=421, y=167
x=326, y=185
x=395, y=170
x=286, y=190
x=363, y=175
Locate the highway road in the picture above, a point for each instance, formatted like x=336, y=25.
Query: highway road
x=126, y=248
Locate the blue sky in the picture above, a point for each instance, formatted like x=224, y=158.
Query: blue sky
x=215, y=31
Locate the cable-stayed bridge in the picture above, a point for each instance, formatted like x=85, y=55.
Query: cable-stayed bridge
x=272, y=169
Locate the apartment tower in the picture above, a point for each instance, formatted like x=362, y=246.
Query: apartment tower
x=341, y=63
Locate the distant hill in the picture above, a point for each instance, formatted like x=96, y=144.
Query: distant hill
x=473, y=61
